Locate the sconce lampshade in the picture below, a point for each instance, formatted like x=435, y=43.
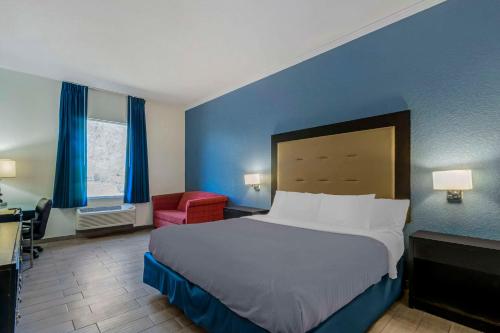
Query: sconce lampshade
x=452, y=180
x=7, y=168
x=252, y=179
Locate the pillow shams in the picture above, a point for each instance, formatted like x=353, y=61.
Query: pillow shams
x=295, y=206
x=278, y=204
x=348, y=211
x=389, y=214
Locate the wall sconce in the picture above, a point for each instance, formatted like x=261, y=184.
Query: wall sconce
x=253, y=179
x=453, y=181
x=7, y=170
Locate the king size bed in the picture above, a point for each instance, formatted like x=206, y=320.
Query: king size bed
x=294, y=270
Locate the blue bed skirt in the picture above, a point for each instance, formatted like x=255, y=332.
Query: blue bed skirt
x=208, y=312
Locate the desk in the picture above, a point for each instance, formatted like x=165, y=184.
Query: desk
x=10, y=275
x=20, y=213
x=11, y=215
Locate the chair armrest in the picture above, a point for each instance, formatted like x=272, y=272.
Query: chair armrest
x=166, y=201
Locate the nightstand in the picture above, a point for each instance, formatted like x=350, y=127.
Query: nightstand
x=231, y=212
x=457, y=278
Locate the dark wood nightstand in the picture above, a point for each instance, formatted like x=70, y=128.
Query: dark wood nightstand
x=457, y=278
x=231, y=212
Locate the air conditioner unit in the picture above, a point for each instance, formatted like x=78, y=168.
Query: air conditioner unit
x=104, y=217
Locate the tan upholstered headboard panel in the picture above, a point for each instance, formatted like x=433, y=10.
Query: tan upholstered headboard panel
x=369, y=155
x=359, y=162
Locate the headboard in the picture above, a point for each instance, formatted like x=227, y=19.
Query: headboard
x=369, y=155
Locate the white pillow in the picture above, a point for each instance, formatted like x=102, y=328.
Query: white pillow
x=295, y=206
x=389, y=214
x=348, y=211
x=278, y=205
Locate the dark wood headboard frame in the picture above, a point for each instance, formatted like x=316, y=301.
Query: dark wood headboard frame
x=400, y=121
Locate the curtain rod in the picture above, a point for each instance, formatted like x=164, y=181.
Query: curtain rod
x=116, y=93
x=101, y=90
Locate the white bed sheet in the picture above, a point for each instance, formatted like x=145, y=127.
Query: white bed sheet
x=392, y=239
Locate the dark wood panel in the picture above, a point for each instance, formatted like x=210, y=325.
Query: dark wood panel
x=456, y=239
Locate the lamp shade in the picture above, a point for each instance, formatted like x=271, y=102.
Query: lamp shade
x=7, y=168
x=252, y=179
x=452, y=180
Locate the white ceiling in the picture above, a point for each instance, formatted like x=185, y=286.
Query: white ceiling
x=181, y=52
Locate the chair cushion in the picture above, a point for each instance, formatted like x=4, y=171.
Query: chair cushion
x=172, y=216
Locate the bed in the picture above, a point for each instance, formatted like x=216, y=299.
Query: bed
x=274, y=274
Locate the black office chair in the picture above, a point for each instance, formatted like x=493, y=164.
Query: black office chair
x=40, y=219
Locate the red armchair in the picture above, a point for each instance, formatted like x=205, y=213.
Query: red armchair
x=187, y=207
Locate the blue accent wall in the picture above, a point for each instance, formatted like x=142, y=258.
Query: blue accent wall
x=442, y=63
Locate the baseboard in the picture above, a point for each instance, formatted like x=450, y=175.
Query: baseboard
x=97, y=233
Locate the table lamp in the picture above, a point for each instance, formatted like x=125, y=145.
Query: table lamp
x=7, y=170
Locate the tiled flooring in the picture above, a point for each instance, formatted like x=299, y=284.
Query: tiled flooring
x=94, y=285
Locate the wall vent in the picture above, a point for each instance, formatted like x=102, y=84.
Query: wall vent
x=104, y=217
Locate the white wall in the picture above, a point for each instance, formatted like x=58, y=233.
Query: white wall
x=29, y=110
x=165, y=154
x=107, y=106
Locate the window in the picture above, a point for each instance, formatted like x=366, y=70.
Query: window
x=106, y=147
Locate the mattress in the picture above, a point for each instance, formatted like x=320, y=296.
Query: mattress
x=279, y=277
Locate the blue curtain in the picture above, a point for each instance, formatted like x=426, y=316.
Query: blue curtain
x=70, y=185
x=136, y=167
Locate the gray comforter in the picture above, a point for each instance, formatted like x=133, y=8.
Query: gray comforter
x=282, y=278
